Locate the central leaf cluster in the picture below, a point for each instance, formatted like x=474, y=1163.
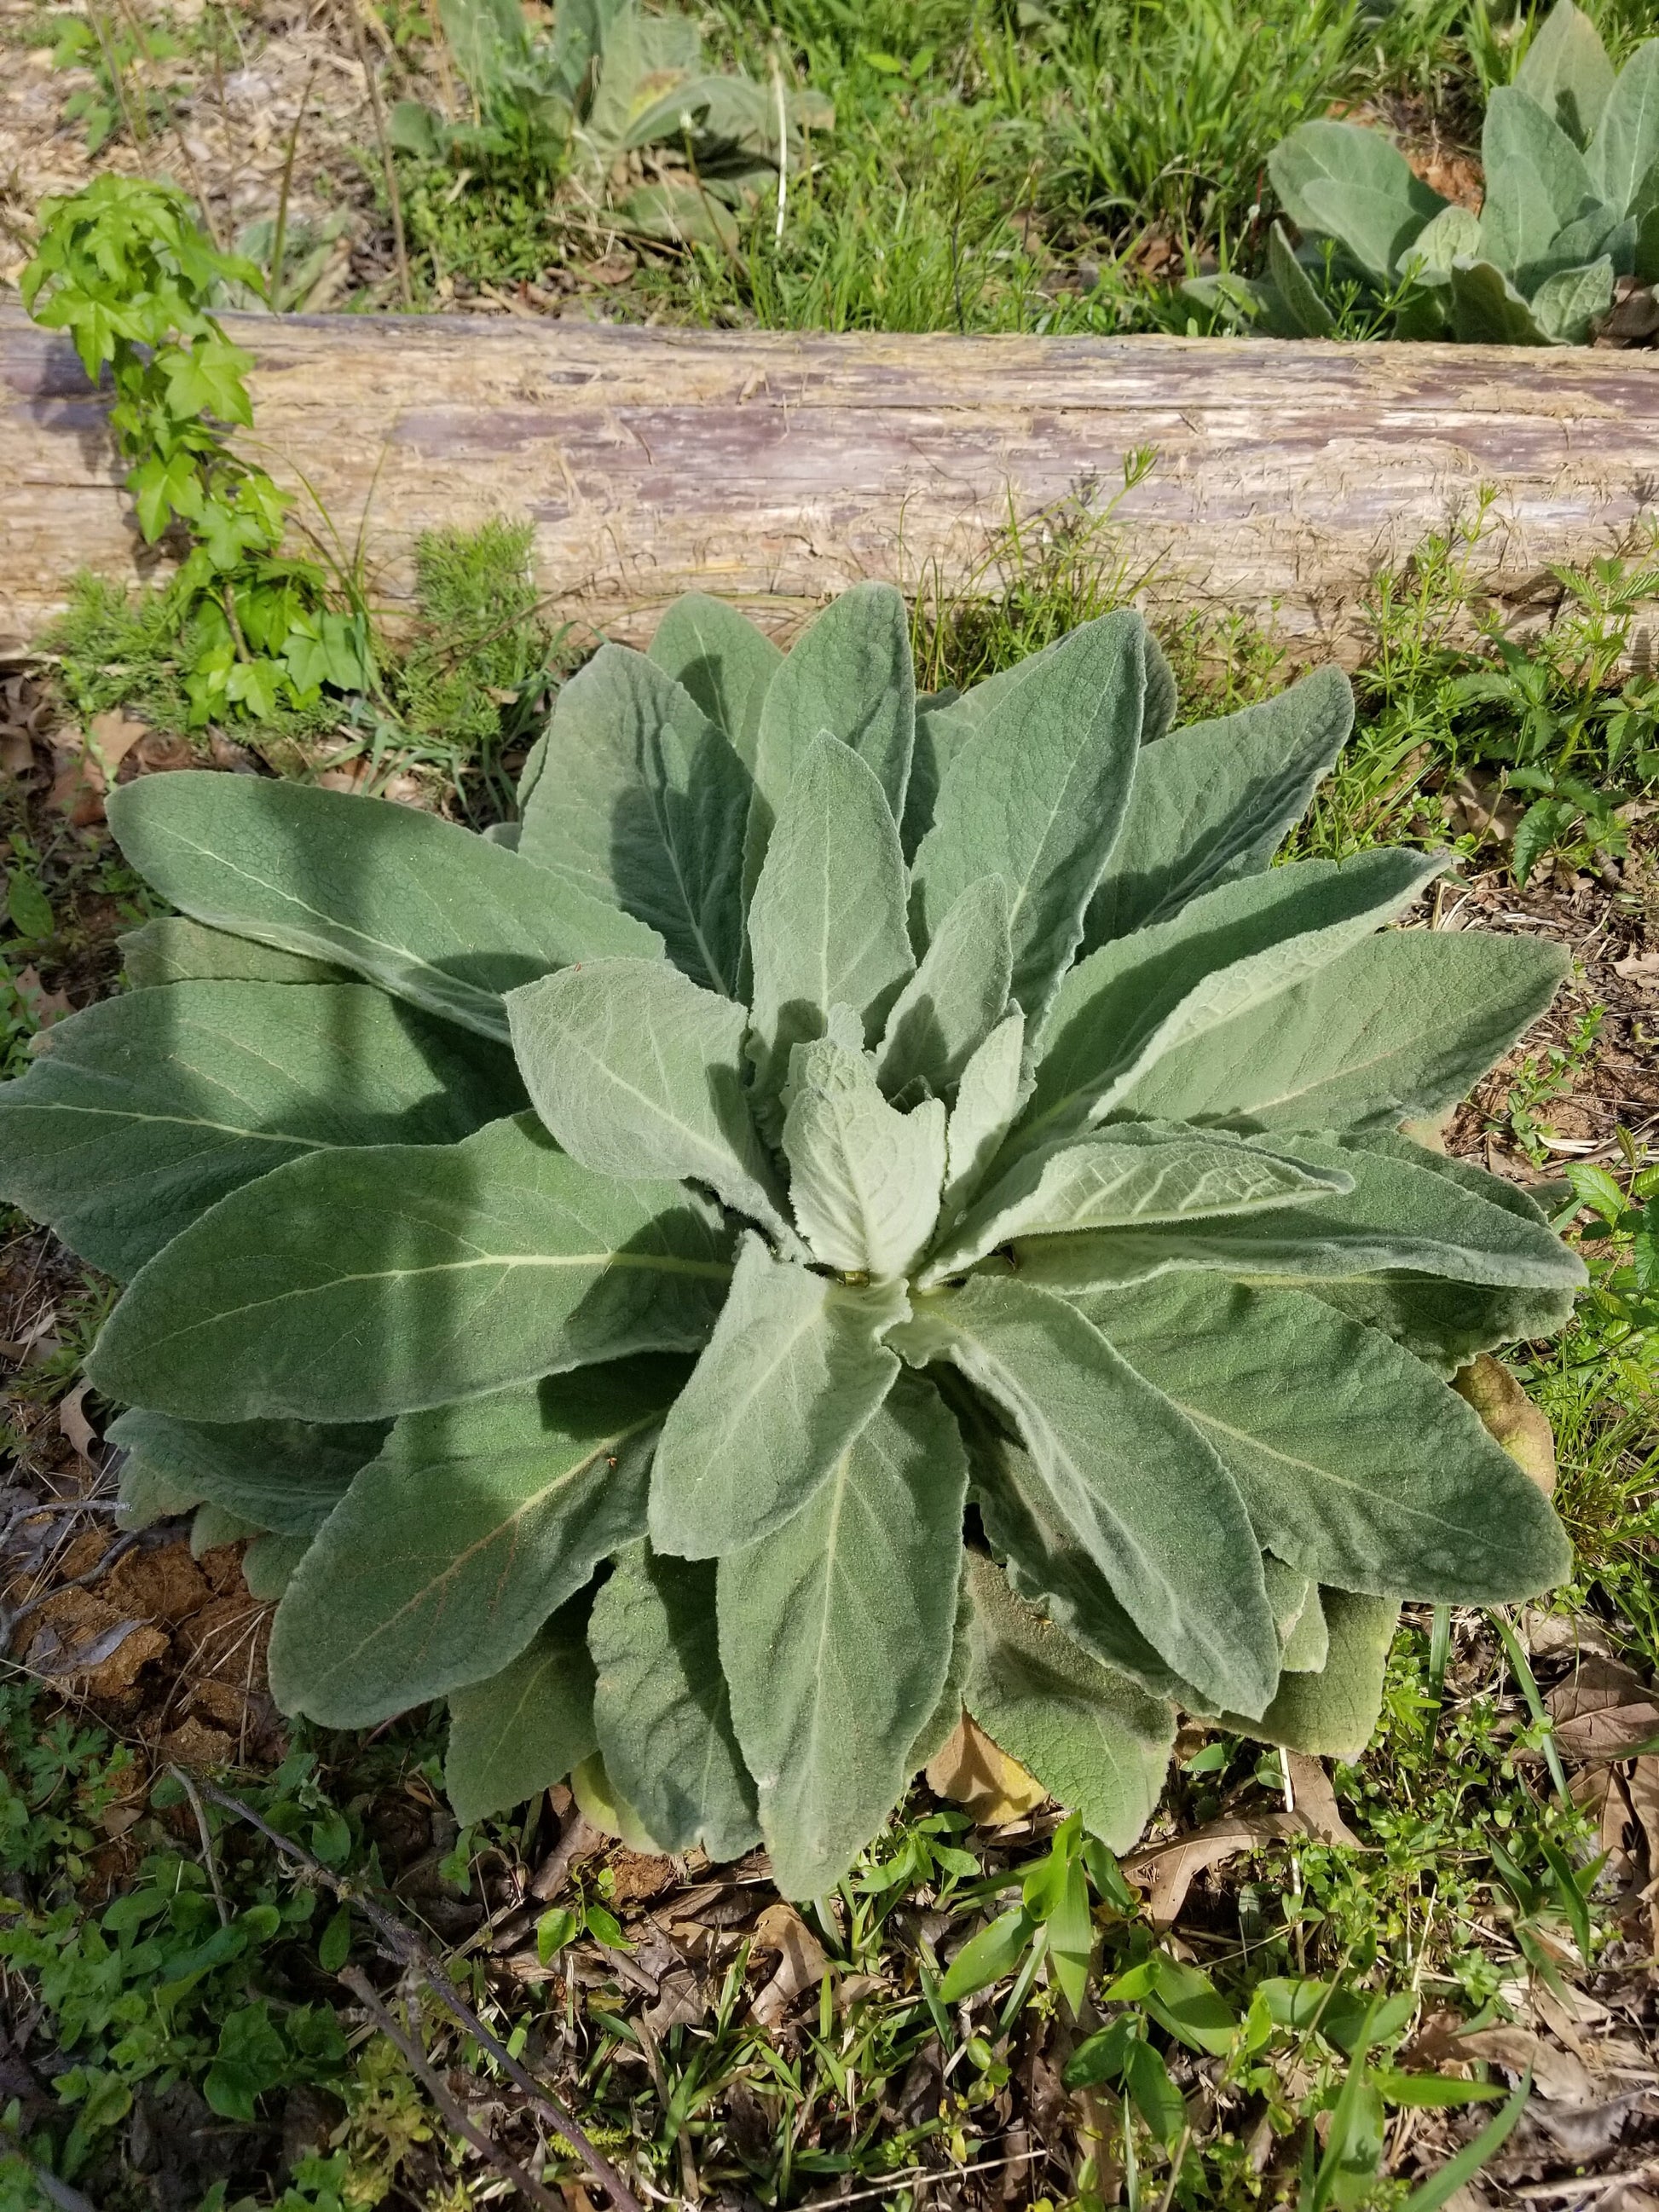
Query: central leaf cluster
x=945, y=1238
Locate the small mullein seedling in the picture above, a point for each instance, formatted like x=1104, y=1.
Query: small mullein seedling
x=856, y=1209
x=1569, y=152
x=622, y=102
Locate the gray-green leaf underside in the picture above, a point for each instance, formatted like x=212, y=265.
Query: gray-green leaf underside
x=354, y=1284
x=171, y=949
x=138, y=1114
x=865, y=1178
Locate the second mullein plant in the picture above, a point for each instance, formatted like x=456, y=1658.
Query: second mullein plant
x=855, y=1208
x=1570, y=160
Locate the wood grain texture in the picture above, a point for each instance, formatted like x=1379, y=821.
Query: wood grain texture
x=776, y=468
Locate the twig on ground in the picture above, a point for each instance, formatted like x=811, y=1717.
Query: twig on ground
x=406, y=1947
x=363, y=1990
x=206, y=1835
x=10, y=1622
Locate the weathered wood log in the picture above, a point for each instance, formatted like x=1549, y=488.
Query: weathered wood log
x=775, y=468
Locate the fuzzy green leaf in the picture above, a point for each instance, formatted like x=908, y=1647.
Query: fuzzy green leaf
x=1330, y=1714
x=1397, y=1029
x=957, y=996
x=835, y=1635
x=1567, y=303
x=865, y=1179
x=1093, y=1738
x=720, y=658
x=526, y=1727
x=1353, y=184
x=793, y=1371
x=420, y=906
x=1247, y=945
x=1141, y=1491
x=1037, y=794
x=1356, y=1467
x=356, y=1284
x=827, y=923
x=171, y=949
x=1215, y=800
x=1487, y=310
x=638, y=1072
x=284, y=1475
x=1626, y=143
x=475, y=1523
x=1299, y=303
x=1565, y=70
x=1537, y=181
x=991, y=1092
x=141, y=1113
x=662, y=1709
x=849, y=672
x=1399, y=1214
x=1133, y=1174
x=642, y=803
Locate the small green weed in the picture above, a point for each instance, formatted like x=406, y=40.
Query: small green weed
x=117, y=51
x=1540, y=1078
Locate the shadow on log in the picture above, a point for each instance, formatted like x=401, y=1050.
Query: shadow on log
x=776, y=468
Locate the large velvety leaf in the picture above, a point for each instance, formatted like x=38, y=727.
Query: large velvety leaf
x=1566, y=71
x=793, y=1370
x=865, y=1179
x=1444, y=1323
x=475, y=1523
x=421, y=907
x=1234, y=948
x=1354, y=184
x=850, y=672
x=992, y=1089
x=1487, y=309
x=138, y=1114
x=1133, y=1174
x=1044, y=1559
x=1399, y=1214
x=827, y=923
x=725, y=663
x=525, y=1728
x=639, y=1072
x=1215, y=800
x=1036, y=796
x=171, y=949
x=1569, y=300
x=642, y=803
x=1141, y=1491
x=284, y=1475
x=1094, y=1739
x=356, y=1284
x=1357, y=1466
x=1626, y=144
x=956, y=998
x=1536, y=181
x=836, y=1635
x=1330, y=1714
x=660, y=1706
x=1396, y=1030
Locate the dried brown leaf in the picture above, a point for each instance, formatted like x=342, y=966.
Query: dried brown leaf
x=1169, y=1870
x=47, y=1007
x=973, y=1772
x=76, y=1426
x=1315, y=1800
x=1556, y=2074
x=802, y=1965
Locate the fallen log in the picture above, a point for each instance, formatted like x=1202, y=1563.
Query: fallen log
x=776, y=468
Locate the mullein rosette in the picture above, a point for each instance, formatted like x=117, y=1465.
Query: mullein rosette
x=855, y=1207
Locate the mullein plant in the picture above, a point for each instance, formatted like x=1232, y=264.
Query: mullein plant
x=855, y=1208
x=1570, y=153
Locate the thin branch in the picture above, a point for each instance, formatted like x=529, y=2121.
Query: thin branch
x=408, y=1949
x=363, y=1990
x=206, y=1835
x=388, y=167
